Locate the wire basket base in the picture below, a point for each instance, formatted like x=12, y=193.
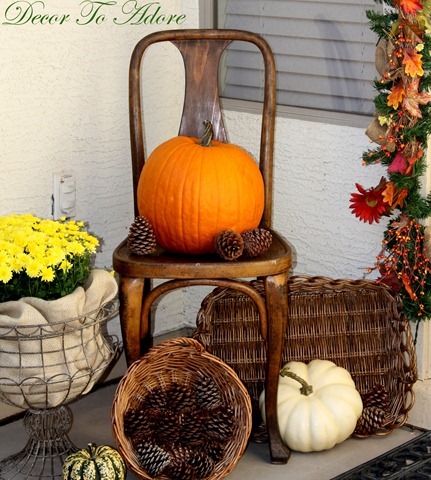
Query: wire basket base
x=46, y=449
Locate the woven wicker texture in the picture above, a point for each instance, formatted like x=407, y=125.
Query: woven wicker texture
x=201, y=414
x=357, y=324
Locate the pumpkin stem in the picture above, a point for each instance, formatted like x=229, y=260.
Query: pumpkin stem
x=306, y=389
x=208, y=135
x=92, y=450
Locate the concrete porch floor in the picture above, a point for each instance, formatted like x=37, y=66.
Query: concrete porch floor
x=92, y=423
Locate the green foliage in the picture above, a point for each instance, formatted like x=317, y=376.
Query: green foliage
x=372, y=156
x=403, y=261
x=381, y=104
x=22, y=285
x=416, y=205
x=421, y=130
x=381, y=23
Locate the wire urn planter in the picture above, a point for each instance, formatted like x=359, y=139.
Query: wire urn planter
x=44, y=366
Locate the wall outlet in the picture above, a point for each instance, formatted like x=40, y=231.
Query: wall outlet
x=64, y=195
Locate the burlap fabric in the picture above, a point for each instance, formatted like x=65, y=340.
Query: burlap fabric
x=53, y=351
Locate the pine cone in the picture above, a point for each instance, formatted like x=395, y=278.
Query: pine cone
x=378, y=396
x=167, y=430
x=141, y=239
x=214, y=449
x=203, y=465
x=220, y=424
x=137, y=425
x=156, y=399
x=191, y=428
x=152, y=458
x=179, y=398
x=132, y=420
x=370, y=421
x=256, y=241
x=208, y=395
x=180, y=467
x=229, y=245
x=179, y=471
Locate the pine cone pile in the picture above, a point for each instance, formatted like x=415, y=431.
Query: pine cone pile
x=141, y=239
x=376, y=406
x=181, y=431
x=230, y=245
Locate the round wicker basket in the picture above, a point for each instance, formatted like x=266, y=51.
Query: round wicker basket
x=192, y=415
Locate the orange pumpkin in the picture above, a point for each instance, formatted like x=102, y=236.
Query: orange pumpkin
x=191, y=190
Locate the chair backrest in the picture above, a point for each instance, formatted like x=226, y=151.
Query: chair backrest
x=201, y=51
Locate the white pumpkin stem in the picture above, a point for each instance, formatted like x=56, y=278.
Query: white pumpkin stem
x=306, y=389
x=208, y=135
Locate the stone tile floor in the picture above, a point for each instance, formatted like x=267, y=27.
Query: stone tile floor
x=92, y=423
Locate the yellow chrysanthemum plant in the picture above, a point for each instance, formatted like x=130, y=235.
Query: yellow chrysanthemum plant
x=43, y=258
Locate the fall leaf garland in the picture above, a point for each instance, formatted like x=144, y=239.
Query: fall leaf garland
x=400, y=129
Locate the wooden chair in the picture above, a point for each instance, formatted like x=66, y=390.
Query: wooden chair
x=201, y=50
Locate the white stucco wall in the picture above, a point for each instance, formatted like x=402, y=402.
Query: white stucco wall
x=64, y=92
x=64, y=104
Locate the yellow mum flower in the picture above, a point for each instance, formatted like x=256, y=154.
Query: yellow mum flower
x=15, y=264
x=20, y=238
x=40, y=250
x=21, y=259
x=36, y=249
x=65, y=265
x=5, y=273
x=33, y=268
x=47, y=274
x=4, y=257
x=55, y=255
x=76, y=248
x=384, y=120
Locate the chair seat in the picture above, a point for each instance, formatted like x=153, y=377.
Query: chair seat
x=276, y=259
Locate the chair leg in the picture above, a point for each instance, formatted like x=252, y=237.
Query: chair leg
x=276, y=301
x=131, y=292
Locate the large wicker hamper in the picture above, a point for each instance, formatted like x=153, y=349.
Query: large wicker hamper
x=357, y=324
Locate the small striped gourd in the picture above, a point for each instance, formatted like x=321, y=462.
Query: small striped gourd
x=94, y=463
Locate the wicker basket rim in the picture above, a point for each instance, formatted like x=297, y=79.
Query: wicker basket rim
x=185, y=349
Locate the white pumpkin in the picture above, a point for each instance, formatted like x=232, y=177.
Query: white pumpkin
x=316, y=418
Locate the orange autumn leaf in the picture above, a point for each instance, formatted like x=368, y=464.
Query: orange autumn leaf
x=413, y=160
x=388, y=193
x=407, y=285
x=399, y=197
x=413, y=98
x=413, y=63
x=393, y=196
x=416, y=154
x=396, y=95
x=410, y=6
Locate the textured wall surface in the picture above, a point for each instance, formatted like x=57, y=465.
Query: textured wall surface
x=64, y=91
x=64, y=104
x=316, y=167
